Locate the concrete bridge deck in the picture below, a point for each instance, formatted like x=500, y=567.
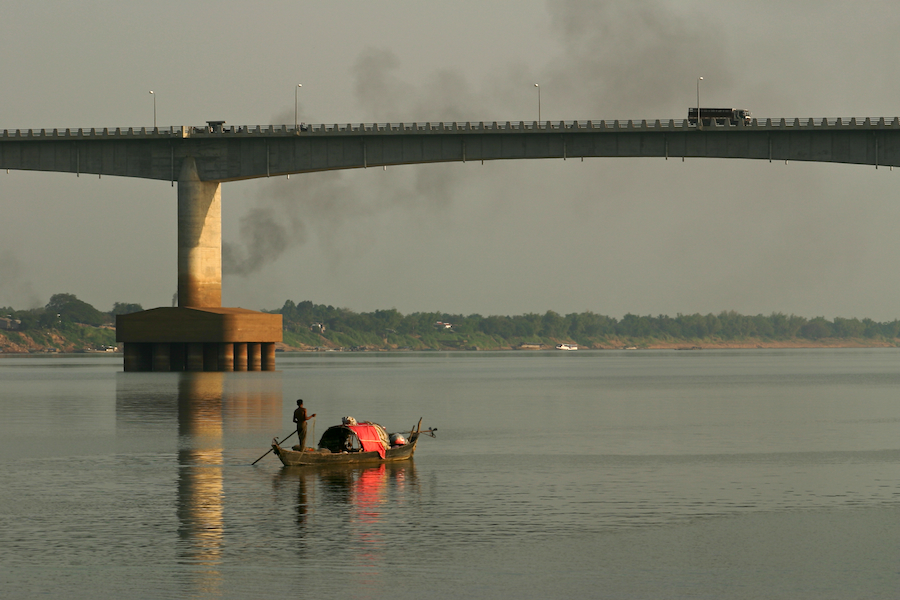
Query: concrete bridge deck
x=230, y=153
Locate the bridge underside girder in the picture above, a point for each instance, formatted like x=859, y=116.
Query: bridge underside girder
x=231, y=157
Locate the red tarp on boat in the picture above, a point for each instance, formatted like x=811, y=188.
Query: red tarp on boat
x=369, y=438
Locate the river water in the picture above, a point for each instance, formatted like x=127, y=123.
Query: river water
x=602, y=474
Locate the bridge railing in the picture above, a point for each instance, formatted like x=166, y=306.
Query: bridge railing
x=93, y=132
x=205, y=131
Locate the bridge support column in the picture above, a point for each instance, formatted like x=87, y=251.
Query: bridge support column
x=162, y=357
x=194, y=357
x=137, y=357
x=254, y=358
x=199, y=239
x=268, y=356
x=240, y=357
x=226, y=357
x=211, y=357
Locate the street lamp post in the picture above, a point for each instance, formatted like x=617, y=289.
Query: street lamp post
x=699, y=123
x=296, y=89
x=539, y=102
x=154, y=109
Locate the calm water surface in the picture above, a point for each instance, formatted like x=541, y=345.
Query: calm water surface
x=711, y=474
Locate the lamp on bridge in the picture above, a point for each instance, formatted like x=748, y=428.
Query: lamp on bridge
x=699, y=122
x=299, y=85
x=539, y=101
x=154, y=109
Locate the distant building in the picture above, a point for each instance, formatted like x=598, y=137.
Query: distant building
x=442, y=325
x=10, y=324
x=320, y=327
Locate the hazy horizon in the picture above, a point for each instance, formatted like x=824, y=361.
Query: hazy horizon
x=611, y=236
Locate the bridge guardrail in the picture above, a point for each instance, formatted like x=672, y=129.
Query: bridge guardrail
x=203, y=131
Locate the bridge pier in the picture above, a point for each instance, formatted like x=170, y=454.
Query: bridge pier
x=199, y=334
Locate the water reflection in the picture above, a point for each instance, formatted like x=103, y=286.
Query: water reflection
x=352, y=506
x=200, y=488
x=209, y=408
x=233, y=403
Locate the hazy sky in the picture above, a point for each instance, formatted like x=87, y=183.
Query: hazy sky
x=613, y=236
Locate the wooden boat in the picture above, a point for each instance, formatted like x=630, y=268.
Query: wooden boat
x=324, y=456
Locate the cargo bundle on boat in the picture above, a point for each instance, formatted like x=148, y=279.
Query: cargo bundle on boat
x=353, y=443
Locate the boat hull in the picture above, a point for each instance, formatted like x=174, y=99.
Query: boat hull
x=294, y=458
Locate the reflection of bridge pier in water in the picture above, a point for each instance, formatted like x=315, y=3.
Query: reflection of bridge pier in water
x=201, y=489
x=208, y=409
x=198, y=403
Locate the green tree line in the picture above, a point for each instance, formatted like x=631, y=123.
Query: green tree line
x=306, y=323
x=66, y=310
x=585, y=328
x=65, y=322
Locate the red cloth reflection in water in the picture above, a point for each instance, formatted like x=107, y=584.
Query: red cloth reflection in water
x=370, y=492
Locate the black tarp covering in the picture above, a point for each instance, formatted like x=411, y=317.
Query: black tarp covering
x=339, y=438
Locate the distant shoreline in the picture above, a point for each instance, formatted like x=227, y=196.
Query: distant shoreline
x=649, y=345
x=746, y=345
x=102, y=341
x=782, y=345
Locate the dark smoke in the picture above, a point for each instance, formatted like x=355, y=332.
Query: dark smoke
x=288, y=210
x=635, y=59
x=618, y=60
x=14, y=285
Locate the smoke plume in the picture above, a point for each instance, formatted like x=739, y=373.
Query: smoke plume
x=616, y=58
x=15, y=287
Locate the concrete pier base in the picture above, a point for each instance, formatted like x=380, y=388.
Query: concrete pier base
x=199, y=339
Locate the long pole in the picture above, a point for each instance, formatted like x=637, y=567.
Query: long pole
x=699, y=123
x=539, y=102
x=270, y=449
x=296, y=89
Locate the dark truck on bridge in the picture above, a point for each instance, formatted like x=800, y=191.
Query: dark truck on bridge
x=721, y=116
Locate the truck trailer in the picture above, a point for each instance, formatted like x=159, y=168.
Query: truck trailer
x=721, y=116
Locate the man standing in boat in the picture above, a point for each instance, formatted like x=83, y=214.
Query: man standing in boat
x=300, y=419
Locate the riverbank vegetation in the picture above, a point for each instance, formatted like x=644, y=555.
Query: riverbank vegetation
x=67, y=324
x=307, y=324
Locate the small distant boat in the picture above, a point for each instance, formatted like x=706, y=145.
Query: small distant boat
x=567, y=346
x=353, y=444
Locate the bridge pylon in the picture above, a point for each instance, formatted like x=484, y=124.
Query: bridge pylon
x=199, y=334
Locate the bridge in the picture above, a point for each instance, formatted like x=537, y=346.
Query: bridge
x=199, y=334
x=233, y=153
